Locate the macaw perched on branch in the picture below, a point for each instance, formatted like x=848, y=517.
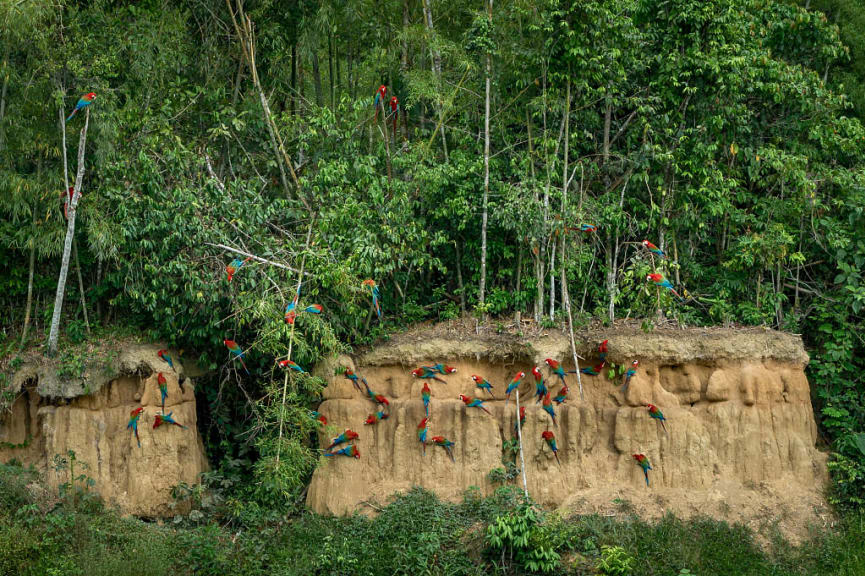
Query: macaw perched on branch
x=588, y=228
x=551, y=442
x=602, y=352
x=562, y=395
x=379, y=99
x=425, y=395
x=236, y=352
x=289, y=365
x=83, y=103
x=353, y=377
x=448, y=445
x=547, y=405
x=394, y=108
x=163, y=355
x=422, y=432
x=161, y=419
x=630, y=374
x=656, y=413
x=661, y=282
x=67, y=201
x=350, y=450
x=133, y=422
x=369, y=283
x=442, y=369
x=235, y=265
x=515, y=383
x=346, y=436
x=643, y=461
x=377, y=398
x=654, y=249
x=163, y=388
x=320, y=418
x=522, y=418
x=291, y=310
x=376, y=417
x=557, y=369
x=483, y=384
x=540, y=387
x=474, y=403
x=426, y=372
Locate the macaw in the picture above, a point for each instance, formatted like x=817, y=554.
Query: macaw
x=236, y=352
x=320, y=418
x=656, y=413
x=394, y=108
x=643, y=461
x=289, y=364
x=161, y=419
x=425, y=372
x=291, y=312
x=163, y=388
x=374, y=291
x=235, y=265
x=661, y=282
x=515, y=383
x=522, y=418
x=377, y=398
x=551, y=442
x=593, y=370
x=350, y=450
x=163, y=354
x=346, y=436
x=83, y=103
x=376, y=417
x=483, y=384
x=557, y=369
x=379, y=98
x=474, y=403
x=630, y=374
x=353, y=377
x=654, y=249
x=540, y=387
x=562, y=395
x=67, y=201
x=442, y=369
x=602, y=352
x=133, y=422
x=588, y=228
x=448, y=445
x=422, y=432
x=547, y=405
x=425, y=394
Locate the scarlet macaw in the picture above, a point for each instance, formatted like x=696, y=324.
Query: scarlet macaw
x=547, y=405
x=161, y=419
x=374, y=291
x=235, y=351
x=515, y=383
x=557, y=369
x=163, y=388
x=353, y=377
x=644, y=464
x=425, y=395
x=562, y=395
x=483, y=384
x=448, y=445
x=376, y=417
x=235, y=265
x=654, y=249
x=163, y=354
x=656, y=413
x=425, y=372
x=474, y=403
x=133, y=422
x=661, y=282
x=346, y=436
x=630, y=374
x=422, y=432
x=290, y=365
x=551, y=442
x=540, y=387
x=83, y=103
x=379, y=98
x=394, y=108
x=350, y=450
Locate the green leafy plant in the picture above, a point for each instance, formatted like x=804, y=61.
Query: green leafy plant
x=614, y=561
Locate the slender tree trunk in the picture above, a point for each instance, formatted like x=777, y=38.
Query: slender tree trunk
x=54, y=333
x=29, y=289
x=404, y=64
x=99, y=283
x=436, y=63
x=484, y=214
x=518, y=316
x=553, y=280
x=80, y=284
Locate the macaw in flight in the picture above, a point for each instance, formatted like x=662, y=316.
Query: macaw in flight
x=290, y=365
x=353, y=377
x=133, y=422
x=236, y=352
x=422, y=433
x=557, y=369
x=643, y=461
x=379, y=98
x=394, y=108
x=350, y=450
x=426, y=372
x=235, y=265
x=83, y=103
x=163, y=355
x=551, y=442
x=448, y=445
x=474, y=403
x=369, y=283
x=515, y=383
x=661, y=282
x=656, y=413
x=630, y=374
x=442, y=369
x=654, y=249
x=163, y=388
x=547, y=405
x=562, y=395
x=425, y=395
x=161, y=419
x=540, y=387
x=483, y=384
x=376, y=417
x=346, y=436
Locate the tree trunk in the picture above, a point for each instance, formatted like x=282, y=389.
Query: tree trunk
x=553, y=281
x=80, y=284
x=29, y=290
x=54, y=333
x=518, y=315
x=436, y=63
x=404, y=64
x=484, y=214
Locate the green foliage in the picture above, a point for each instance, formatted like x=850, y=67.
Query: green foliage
x=615, y=560
x=515, y=537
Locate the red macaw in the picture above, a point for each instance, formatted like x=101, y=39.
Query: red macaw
x=350, y=450
x=235, y=265
x=67, y=201
x=379, y=98
x=448, y=445
x=161, y=419
x=483, y=384
x=353, y=377
x=654, y=249
x=425, y=395
x=394, y=108
x=540, y=387
x=474, y=403
x=133, y=422
x=522, y=418
x=551, y=442
x=602, y=351
x=236, y=352
x=425, y=372
x=661, y=282
x=630, y=374
x=376, y=417
x=290, y=365
x=346, y=436
x=562, y=395
x=557, y=369
x=422, y=432
x=547, y=405
x=163, y=355
x=656, y=413
x=442, y=369
x=644, y=464
x=320, y=418
x=163, y=388
x=83, y=103
x=369, y=283
x=377, y=398
x=291, y=310
x=593, y=370
x=515, y=383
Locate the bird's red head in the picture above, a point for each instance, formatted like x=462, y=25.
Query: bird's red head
x=638, y=457
x=426, y=387
x=160, y=378
x=550, y=362
x=394, y=102
x=137, y=411
x=654, y=277
x=465, y=398
x=603, y=347
x=547, y=435
x=417, y=372
x=90, y=96
x=382, y=90
x=351, y=434
x=536, y=373
x=422, y=424
x=651, y=407
x=381, y=400
x=449, y=369
x=323, y=419
x=371, y=419
x=476, y=379
x=161, y=353
x=521, y=375
x=229, y=343
x=646, y=243
x=635, y=363
x=438, y=439
x=347, y=372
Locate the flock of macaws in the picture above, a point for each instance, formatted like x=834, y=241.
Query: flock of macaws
x=162, y=417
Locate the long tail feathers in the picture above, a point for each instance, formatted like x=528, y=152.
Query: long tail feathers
x=74, y=112
x=242, y=363
x=556, y=454
x=485, y=410
x=646, y=474
x=664, y=426
x=451, y=454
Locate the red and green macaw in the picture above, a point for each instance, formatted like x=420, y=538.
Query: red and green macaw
x=515, y=383
x=656, y=413
x=422, y=432
x=83, y=103
x=350, y=450
x=474, y=403
x=133, y=422
x=557, y=369
x=562, y=395
x=369, y=283
x=394, y=108
x=630, y=374
x=377, y=398
x=346, y=436
x=661, y=282
x=163, y=388
x=379, y=98
x=602, y=352
x=320, y=418
x=643, y=461
x=163, y=355
x=593, y=370
x=448, y=445
x=353, y=377
x=376, y=417
x=547, y=405
x=236, y=352
x=483, y=384
x=551, y=442
x=235, y=265
x=588, y=228
x=161, y=419
x=540, y=387
x=289, y=365
x=654, y=249
x=442, y=369
x=291, y=311
x=425, y=372
x=425, y=395
x=522, y=418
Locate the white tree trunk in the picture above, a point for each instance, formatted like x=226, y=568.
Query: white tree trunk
x=483, y=282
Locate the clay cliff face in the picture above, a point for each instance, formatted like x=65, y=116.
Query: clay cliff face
x=741, y=443
x=49, y=419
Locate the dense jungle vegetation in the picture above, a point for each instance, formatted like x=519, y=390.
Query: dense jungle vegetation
x=727, y=132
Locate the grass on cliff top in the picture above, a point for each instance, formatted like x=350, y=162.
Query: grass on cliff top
x=43, y=534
